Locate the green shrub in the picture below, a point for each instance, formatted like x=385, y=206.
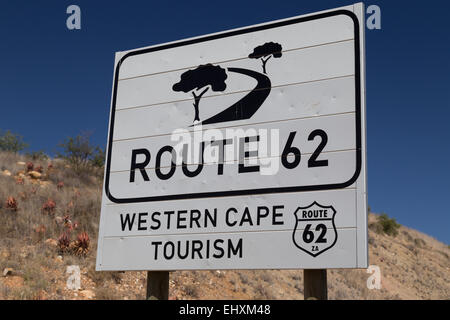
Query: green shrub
x=37, y=155
x=11, y=142
x=80, y=153
x=98, y=158
x=387, y=225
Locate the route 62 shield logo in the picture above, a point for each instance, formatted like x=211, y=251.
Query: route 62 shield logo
x=315, y=231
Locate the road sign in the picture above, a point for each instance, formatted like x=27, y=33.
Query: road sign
x=242, y=149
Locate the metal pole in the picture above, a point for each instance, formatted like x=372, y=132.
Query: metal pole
x=157, y=285
x=315, y=284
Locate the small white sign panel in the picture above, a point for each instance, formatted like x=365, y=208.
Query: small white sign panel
x=243, y=149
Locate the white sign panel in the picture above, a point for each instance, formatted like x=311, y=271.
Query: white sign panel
x=240, y=150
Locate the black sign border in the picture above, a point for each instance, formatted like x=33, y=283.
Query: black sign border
x=248, y=191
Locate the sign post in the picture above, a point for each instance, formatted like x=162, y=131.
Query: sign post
x=157, y=285
x=315, y=284
x=244, y=149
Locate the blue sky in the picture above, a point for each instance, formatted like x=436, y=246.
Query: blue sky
x=56, y=83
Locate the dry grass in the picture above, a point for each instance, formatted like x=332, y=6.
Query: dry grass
x=105, y=293
x=79, y=200
x=192, y=291
x=413, y=265
x=34, y=221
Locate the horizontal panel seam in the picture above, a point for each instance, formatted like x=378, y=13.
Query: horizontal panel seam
x=215, y=233
x=237, y=59
x=236, y=161
x=241, y=125
x=235, y=92
x=353, y=189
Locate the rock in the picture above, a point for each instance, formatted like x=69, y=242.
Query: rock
x=6, y=173
x=51, y=242
x=88, y=294
x=8, y=272
x=5, y=254
x=44, y=184
x=21, y=163
x=35, y=174
x=59, y=220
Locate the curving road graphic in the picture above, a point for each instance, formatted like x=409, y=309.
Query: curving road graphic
x=248, y=105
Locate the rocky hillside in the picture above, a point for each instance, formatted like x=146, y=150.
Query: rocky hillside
x=49, y=220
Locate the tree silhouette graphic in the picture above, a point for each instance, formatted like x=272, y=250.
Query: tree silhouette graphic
x=268, y=50
x=208, y=76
